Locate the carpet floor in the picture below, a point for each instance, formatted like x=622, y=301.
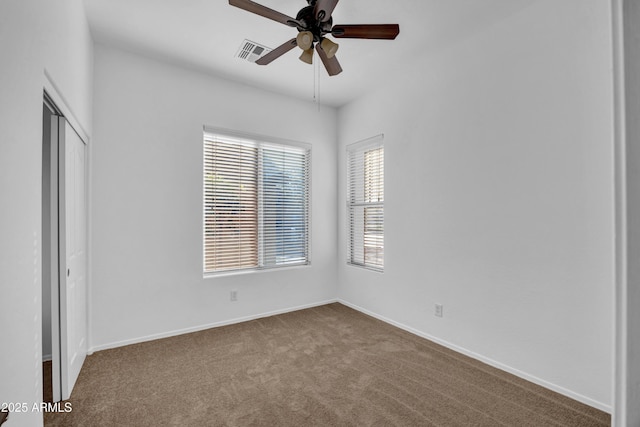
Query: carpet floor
x=324, y=366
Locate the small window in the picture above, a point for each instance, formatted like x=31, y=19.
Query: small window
x=365, y=204
x=256, y=203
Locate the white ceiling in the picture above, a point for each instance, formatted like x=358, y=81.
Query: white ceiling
x=206, y=35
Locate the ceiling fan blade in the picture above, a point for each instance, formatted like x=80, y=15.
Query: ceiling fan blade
x=331, y=64
x=324, y=9
x=258, y=9
x=375, y=31
x=277, y=52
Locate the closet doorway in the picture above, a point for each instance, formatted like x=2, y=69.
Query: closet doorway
x=64, y=253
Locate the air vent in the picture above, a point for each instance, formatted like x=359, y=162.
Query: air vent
x=251, y=51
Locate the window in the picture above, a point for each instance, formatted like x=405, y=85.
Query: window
x=365, y=205
x=256, y=203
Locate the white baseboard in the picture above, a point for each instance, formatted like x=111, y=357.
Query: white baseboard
x=47, y=358
x=546, y=384
x=204, y=327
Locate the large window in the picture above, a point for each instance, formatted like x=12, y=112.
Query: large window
x=256, y=203
x=365, y=204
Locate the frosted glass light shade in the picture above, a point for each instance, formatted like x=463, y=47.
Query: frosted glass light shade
x=304, y=40
x=307, y=56
x=329, y=47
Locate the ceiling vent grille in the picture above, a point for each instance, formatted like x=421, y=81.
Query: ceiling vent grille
x=251, y=51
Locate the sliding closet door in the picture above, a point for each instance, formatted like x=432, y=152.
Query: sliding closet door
x=72, y=256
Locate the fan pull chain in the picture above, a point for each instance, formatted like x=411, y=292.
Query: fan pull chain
x=316, y=84
x=314, y=66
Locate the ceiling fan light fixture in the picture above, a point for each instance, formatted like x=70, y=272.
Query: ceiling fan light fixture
x=313, y=23
x=305, y=40
x=329, y=47
x=307, y=56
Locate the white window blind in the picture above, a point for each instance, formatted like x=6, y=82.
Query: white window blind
x=256, y=203
x=365, y=204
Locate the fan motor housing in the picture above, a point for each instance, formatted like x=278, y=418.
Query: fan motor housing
x=307, y=17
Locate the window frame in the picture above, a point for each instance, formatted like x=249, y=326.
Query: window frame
x=261, y=143
x=354, y=203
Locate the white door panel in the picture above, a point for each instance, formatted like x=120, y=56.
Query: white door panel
x=73, y=256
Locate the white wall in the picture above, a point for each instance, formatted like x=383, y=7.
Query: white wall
x=34, y=35
x=147, y=200
x=499, y=197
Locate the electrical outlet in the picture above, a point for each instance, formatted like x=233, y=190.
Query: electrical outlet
x=233, y=296
x=438, y=311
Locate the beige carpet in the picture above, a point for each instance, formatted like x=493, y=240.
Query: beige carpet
x=325, y=366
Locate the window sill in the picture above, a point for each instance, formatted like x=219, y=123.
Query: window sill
x=366, y=267
x=215, y=275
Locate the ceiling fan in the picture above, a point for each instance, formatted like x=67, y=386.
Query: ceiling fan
x=314, y=23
